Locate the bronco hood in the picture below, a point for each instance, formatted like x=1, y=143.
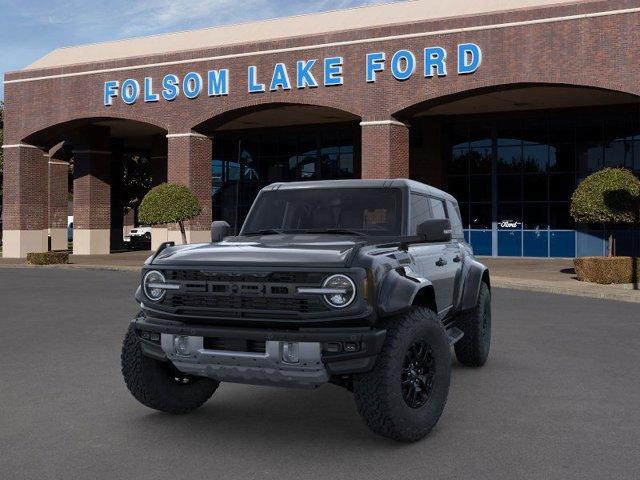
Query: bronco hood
x=277, y=250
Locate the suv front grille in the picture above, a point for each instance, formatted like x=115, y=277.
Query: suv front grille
x=244, y=294
x=302, y=305
x=273, y=277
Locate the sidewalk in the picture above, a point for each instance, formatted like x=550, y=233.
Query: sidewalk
x=538, y=275
x=552, y=276
x=128, y=261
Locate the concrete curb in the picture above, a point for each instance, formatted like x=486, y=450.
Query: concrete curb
x=604, y=291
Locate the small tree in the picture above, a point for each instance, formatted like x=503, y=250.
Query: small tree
x=609, y=196
x=169, y=203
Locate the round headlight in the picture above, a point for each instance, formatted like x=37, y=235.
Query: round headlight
x=150, y=279
x=344, y=291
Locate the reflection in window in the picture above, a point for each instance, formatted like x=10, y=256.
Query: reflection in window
x=480, y=160
x=276, y=156
x=539, y=161
x=510, y=159
x=535, y=158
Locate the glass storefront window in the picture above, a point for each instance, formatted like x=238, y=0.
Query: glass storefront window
x=562, y=157
x=458, y=186
x=459, y=161
x=277, y=155
x=510, y=215
x=480, y=160
x=535, y=216
x=618, y=153
x=539, y=158
x=559, y=217
x=589, y=157
x=509, y=188
x=535, y=158
x=535, y=187
x=480, y=215
x=510, y=158
x=480, y=188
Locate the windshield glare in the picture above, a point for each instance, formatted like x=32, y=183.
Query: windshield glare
x=371, y=211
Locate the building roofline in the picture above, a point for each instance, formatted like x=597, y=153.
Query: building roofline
x=309, y=24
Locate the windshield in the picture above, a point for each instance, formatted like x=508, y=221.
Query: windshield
x=369, y=211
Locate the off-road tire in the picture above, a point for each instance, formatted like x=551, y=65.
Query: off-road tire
x=153, y=383
x=379, y=393
x=472, y=350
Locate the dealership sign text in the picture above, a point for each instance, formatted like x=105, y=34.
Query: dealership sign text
x=309, y=73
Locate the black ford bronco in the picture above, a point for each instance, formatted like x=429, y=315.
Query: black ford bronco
x=362, y=283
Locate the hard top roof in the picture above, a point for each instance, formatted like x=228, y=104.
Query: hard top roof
x=363, y=183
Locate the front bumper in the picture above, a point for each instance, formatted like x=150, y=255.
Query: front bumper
x=316, y=364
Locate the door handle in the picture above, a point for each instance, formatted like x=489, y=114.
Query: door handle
x=457, y=259
x=441, y=262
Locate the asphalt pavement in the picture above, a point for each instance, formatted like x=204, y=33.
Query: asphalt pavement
x=558, y=399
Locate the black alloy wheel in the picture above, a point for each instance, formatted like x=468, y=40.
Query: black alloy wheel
x=418, y=374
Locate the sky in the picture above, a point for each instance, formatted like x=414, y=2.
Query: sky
x=30, y=29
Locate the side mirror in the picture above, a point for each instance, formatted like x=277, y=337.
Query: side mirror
x=219, y=230
x=435, y=230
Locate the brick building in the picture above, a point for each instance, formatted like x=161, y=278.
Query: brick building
x=506, y=104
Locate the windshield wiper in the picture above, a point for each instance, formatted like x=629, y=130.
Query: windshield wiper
x=338, y=231
x=266, y=231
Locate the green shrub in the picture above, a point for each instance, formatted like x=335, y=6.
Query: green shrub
x=609, y=195
x=169, y=203
x=48, y=258
x=607, y=270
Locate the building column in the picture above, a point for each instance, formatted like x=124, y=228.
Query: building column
x=189, y=164
x=385, y=149
x=159, y=233
x=24, y=200
x=58, y=191
x=92, y=193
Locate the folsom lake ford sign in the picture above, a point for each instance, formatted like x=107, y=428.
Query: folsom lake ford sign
x=310, y=73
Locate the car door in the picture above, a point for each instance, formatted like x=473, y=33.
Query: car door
x=457, y=235
x=448, y=262
x=430, y=259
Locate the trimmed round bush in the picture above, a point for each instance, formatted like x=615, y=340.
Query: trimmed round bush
x=169, y=203
x=610, y=195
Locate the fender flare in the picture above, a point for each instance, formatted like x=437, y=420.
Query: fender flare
x=475, y=274
x=398, y=292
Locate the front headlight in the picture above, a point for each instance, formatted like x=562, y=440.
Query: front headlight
x=153, y=285
x=343, y=291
